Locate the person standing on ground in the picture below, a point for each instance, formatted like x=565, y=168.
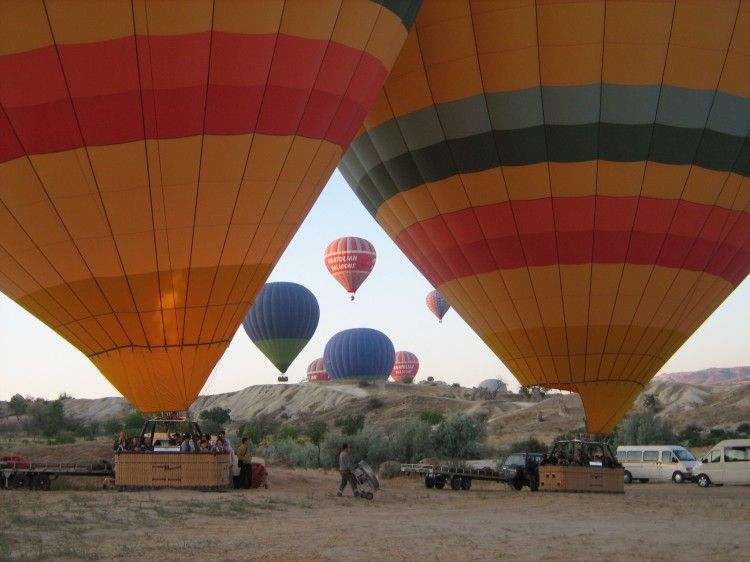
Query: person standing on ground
x=244, y=458
x=345, y=468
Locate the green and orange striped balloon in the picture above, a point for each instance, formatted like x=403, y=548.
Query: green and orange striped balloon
x=156, y=157
x=572, y=176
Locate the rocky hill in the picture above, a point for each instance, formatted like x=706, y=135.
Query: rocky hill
x=715, y=376
x=510, y=417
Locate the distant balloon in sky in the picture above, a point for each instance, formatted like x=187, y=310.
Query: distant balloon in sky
x=281, y=321
x=359, y=353
x=437, y=304
x=157, y=157
x=350, y=260
x=405, y=367
x=316, y=371
x=572, y=176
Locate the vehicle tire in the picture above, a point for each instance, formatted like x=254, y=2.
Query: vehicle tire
x=678, y=477
x=440, y=484
x=703, y=481
x=644, y=480
x=429, y=482
x=41, y=482
x=627, y=477
x=517, y=484
x=466, y=483
x=369, y=495
x=455, y=482
x=534, y=484
x=18, y=480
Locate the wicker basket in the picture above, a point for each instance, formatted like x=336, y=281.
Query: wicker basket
x=202, y=471
x=561, y=478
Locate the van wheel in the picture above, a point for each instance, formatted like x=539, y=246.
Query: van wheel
x=703, y=481
x=678, y=477
x=627, y=477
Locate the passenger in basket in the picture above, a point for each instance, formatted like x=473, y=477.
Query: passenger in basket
x=185, y=445
x=135, y=445
x=227, y=444
x=219, y=446
x=122, y=442
x=345, y=468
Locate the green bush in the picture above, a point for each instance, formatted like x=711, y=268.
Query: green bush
x=217, y=415
x=460, y=437
x=351, y=424
x=291, y=452
x=431, y=417
x=286, y=432
x=530, y=445
x=412, y=441
x=368, y=444
x=644, y=429
x=374, y=403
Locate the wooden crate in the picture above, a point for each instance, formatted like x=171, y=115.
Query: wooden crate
x=204, y=471
x=563, y=478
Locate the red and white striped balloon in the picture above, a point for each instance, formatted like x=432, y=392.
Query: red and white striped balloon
x=350, y=260
x=406, y=366
x=316, y=371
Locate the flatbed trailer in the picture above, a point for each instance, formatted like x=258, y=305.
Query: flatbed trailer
x=458, y=477
x=39, y=476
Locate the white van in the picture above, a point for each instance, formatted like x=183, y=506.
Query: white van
x=728, y=462
x=656, y=462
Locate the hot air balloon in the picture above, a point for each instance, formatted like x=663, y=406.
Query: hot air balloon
x=437, y=304
x=359, y=354
x=316, y=371
x=350, y=260
x=156, y=160
x=281, y=321
x=405, y=367
x=572, y=176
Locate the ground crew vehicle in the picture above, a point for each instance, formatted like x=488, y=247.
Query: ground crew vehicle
x=656, y=462
x=728, y=462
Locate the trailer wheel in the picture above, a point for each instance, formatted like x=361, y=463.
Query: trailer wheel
x=440, y=484
x=17, y=480
x=466, y=483
x=41, y=482
x=517, y=484
x=429, y=482
x=455, y=482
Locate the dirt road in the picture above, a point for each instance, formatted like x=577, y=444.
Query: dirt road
x=299, y=518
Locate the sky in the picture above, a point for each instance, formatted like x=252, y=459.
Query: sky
x=35, y=361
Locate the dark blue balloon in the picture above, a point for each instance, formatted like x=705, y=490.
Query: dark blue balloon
x=281, y=321
x=359, y=353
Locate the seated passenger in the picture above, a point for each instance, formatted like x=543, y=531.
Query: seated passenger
x=219, y=446
x=122, y=442
x=146, y=444
x=135, y=445
x=185, y=445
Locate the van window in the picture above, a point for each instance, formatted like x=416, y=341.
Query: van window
x=734, y=454
x=684, y=455
x=634, y=455
x=666, y=456
x=714, y=456
x=621, y=455
x=650, y=456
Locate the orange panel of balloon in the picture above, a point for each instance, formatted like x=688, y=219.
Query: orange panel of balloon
x=571, y=176
x=156, y=159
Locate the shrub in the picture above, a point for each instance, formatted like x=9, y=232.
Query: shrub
x=291, y=452
x=368, y=444
x=644, y=429
x=431, y=417
x=287, y=432
x=374, y=403
x=530, y=445
x=217, y=415
x=460, y=436
x=412, y=441
x=351, y=424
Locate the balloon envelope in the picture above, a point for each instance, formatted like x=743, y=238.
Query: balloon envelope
x=405, y=367
x=281, y=321
x=572, y=177
x=437, y=304
x=316, y=371
x=350, y=260
x=155, y=162
x=359, y=353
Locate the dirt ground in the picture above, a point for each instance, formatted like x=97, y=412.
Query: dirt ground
x=299, y=518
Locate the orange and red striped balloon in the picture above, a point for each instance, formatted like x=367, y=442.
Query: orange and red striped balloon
x=406, y=367
x=572, y=176
x=157, y=157
x=350, y=261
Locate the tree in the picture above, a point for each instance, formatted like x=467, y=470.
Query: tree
x=412, y=441
x=644, y=429
x=316, y=433
x=112, y=426
x=18, y=405
x=219, y=416
x=460, y=436
x=530, y=445
x=351, y=424
x=650, y=402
